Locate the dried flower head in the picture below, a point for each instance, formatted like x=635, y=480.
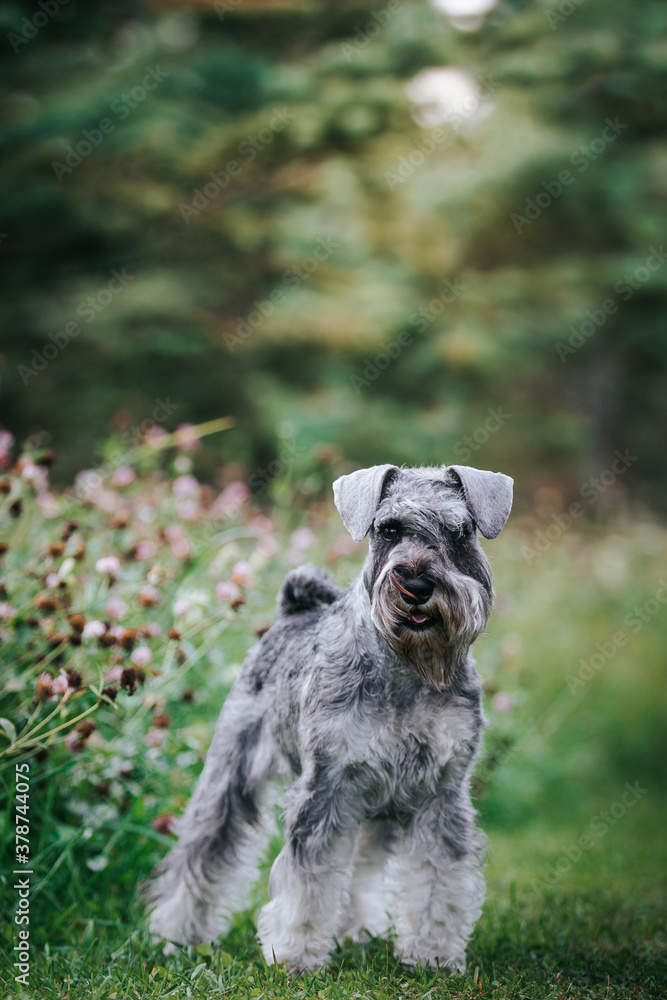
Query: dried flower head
x=85, y=728
x=56, y=639
x=161, y=720
x=56, y=549
x=110, y=692
x=108, y=565
x=77, y=622
x=165, y=823
x=128, y=638
x=173, y=634
x=46, y=603
x=128, y=680
x=148, y=596
x=69, y=530
x=44, y=687
x=74, y=679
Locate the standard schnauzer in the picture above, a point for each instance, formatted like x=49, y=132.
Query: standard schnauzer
x=369, y=701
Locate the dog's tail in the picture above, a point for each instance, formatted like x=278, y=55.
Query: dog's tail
x=306, y=589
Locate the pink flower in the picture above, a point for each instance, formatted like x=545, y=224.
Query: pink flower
x=73, y=742
x=116, y=608
x=141, y=656
x=261, y=525
x=502, y=702
x=155, y=737
x=52, y=580
x=173, y=532
x=153, y=629
x=302, y=538
x=94, y=629
x=187, y=437
x=185, y=486
x=6, y=440
x=146, y=550
x=148, y=596
x=181, y=548
x=47, y=504
x=181, y=607
x=114, y=674
x=225, y=590
x=60, y=684
x=155, y=437
x=232, y=498
x=123, y=476
x=189, y=510
x=241, y=574
x=109, y=565
x=7, y=610
x=117, y=631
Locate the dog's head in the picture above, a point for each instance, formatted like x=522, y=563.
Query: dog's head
x=428, y=579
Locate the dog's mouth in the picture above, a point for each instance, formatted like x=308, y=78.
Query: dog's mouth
x=419, y=620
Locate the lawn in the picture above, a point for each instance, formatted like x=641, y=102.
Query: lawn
x=570, y=786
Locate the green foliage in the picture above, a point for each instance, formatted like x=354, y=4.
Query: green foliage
x=573, y=671
x=551, y=82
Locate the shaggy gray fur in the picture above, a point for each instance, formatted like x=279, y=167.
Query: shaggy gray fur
x=369, y=701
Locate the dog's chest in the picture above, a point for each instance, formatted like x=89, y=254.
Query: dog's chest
x=399, y=756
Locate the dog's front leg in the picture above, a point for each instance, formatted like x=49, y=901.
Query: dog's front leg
x=309, y=886
x=437, y=877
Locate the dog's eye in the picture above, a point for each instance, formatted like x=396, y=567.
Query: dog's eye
x=460, y=534
x=390, y=532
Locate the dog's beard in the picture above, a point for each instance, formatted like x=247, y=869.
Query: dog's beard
x=455, y=615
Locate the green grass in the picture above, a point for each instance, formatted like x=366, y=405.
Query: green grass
x=557, y=759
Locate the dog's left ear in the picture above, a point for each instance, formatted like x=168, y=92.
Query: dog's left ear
x=358, y=495
x=488, y=497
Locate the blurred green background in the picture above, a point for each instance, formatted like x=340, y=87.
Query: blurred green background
x=402, y=231
x=433, y=198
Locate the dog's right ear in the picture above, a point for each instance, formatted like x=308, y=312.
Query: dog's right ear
x=358, y=496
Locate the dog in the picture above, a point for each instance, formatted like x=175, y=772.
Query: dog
x=368, y=701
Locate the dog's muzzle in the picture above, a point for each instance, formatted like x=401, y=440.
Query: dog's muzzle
x=429, y=617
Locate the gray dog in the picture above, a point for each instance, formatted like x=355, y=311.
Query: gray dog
x=369, y=701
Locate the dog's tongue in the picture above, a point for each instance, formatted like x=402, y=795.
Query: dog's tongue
x=419, y=618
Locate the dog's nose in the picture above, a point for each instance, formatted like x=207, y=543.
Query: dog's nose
x=415, y=589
